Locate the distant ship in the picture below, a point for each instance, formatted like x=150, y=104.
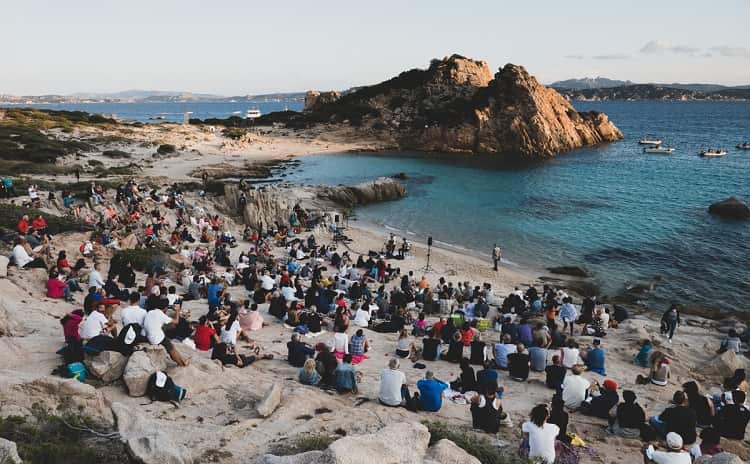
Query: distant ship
x=744, y=145
x=659, y=150
x=252, y=114
x=648, y=141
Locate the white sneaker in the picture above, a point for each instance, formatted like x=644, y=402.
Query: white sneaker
x=670, y=340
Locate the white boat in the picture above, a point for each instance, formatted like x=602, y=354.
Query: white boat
x=713, y=153
x=252, y=114
x=658, y=150
x=744, y=145
x=648, y=141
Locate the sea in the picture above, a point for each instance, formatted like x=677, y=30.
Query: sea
x=627, y=216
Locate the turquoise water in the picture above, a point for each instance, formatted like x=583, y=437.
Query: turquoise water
x=172, y=112
x=626, y=215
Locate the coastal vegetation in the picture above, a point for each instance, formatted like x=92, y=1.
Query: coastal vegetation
x=473, y=443
x=10, y=214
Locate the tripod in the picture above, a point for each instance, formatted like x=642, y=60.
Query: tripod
x=427, y=267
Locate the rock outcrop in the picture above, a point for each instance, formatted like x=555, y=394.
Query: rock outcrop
x=457, y=106
x=146, y=440
x=9, y=452
x=731, y=208
x=270, y=401
x=447, y=452
x=267, y=205
x=141, y=365
x=315, y=100
x=106, y=366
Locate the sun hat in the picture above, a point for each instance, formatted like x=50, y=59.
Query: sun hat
x=674, y=440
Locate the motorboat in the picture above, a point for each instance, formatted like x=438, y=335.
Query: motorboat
x=649, y=141
x=252, y=114
x=713, y=153
x=744, y=145
x=658, y=150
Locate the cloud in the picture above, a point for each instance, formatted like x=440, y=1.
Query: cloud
x=733, y=52
x=612, y=56
x=575, y=57
x=659, y=46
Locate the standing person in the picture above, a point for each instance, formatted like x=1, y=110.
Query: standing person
x=670, y=321
x=496, y=254
x=568, y=314
x=541, y=435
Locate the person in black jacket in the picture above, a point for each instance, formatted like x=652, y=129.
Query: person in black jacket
x=677, y=418
x=629, y=418
x=733, y=418
x=518, y=364
x=602, y=399
x=298, y=351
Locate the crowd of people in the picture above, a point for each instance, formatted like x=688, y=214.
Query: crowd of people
x=320, y=292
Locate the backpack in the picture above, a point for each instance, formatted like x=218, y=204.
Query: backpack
x=160, y=387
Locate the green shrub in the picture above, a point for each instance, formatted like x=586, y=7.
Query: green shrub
x=233, y=132
x=304, y=443
x=142, y=259
x=476, y=444
x=166, y=148
x=116, y=154
x=61, y=439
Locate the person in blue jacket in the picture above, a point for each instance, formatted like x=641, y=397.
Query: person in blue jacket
x=430, y=392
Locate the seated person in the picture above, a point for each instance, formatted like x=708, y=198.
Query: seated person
x=641, y=359
x=628, y=419
x=518, y=364
x=298, y=352
x=431, y=346
x=678, y=418
x=601, y=400
x=502, y=350
x=488, y=375
x=555, y=374
x=430, y=392
x=205, y=336
x=732, y=420
x=595, y=358
x=575, y=388
x=466, y=381
x=673, y=455
x=359, y=343
x=308, y=374
x=229, y=357
x=346, y=376
x=487, y=411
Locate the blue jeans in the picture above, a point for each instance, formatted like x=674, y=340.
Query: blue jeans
x=658, y=425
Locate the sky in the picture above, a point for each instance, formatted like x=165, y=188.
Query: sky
x=245, y=47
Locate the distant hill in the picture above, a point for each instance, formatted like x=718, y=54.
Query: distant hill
x=150, y=96
x=604, y=83
x=588, y=83
x=638, y=92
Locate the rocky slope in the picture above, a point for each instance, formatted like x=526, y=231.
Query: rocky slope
x=267, y=205
x=456, y=105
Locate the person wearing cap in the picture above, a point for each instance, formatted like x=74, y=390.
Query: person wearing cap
x=678, y=418
x=594, y=358
x=628, y=419
x=601, y=400
x=430, y=392
x=673, y=455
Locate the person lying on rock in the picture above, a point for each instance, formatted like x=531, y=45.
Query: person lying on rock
x=227, y=355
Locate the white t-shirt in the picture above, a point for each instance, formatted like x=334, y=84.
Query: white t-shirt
x=172, y=297
x=664, y=457
x=574, y=390
x=266, y=282
x=132, y=315
x=230, y=336
x=93, y=325
x=570, y=357
x=153, y=325
x=20, y=257
x=341, y=342
x=541, y=440
x=95, y=279
x=403, y=344
x=390, y=386
x=361, y=317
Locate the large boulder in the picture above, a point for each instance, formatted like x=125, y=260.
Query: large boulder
x=147, y=440
x=394, y=444
x=200, y=376
x=721, y=458
x=575, y=271
x=141, y=365
x=270, y=401
x=9, y=452
x=724, y=365
x=315, y=100
x=447, y=452
x=310, y=457
x=730, y=208
x=106, y=366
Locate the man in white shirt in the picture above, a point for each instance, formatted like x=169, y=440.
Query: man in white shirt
x=95, y=324
x=23, y=259
x=361, y=317
x=153, y=329
x=95, y=277
x=133, y=314
x=675, y=454
x=574, y=388
x=266, y=282
x=392, y=384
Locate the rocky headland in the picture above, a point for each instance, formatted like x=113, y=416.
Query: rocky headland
x=457, y=105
